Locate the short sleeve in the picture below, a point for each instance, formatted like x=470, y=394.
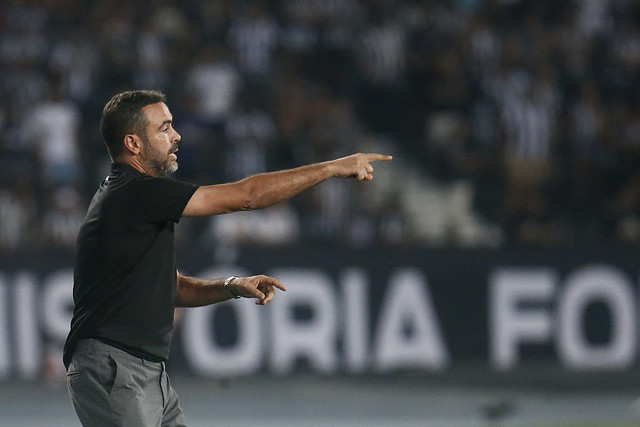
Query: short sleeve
x=160, y=199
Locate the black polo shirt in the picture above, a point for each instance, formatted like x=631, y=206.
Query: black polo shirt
x=125, y=271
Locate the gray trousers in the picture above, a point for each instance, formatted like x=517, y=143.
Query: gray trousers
x=110, y=387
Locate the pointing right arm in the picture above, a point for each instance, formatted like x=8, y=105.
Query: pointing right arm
x=266, y=189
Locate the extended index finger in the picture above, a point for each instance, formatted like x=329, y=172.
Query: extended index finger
x=276, y=283
x=375, y=157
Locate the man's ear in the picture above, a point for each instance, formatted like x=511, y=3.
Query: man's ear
x=132, y=143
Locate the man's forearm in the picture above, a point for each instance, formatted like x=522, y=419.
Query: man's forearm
x=193, y=292
x=270, y=188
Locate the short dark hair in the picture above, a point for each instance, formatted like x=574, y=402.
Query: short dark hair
x=123, y=115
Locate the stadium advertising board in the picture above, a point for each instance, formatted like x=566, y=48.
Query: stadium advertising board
x=367, y=312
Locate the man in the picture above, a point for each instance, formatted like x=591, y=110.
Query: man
x=126, y=285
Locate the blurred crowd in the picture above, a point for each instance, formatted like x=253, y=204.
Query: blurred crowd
x=533, y=104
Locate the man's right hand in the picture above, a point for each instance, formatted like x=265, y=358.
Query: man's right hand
x=357, y=166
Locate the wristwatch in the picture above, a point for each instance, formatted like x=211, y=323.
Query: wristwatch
x=226, y=287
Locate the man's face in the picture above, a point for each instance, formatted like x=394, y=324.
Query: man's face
x=160, y=141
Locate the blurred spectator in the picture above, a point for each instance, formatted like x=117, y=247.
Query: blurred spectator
x=151, y=71
x=249, y=132
x=274, y=226
x=24, y=35
x=64, y=216
x=328, y=215
x=381, y=58
x=318, y=36
x=592, y=17
x=529, y=121
x=201, y=150
x=253, y=37
x=74, y=60
x=18, y=213
x=52, y=131
x=212, y=82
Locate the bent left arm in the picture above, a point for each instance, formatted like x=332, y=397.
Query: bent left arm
x=194, y=292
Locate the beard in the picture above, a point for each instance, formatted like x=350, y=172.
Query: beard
x=160, y=164
x=163, y=166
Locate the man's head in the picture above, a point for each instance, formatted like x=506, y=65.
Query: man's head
x=137, y=129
